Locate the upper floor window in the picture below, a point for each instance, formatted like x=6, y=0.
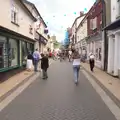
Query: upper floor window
x=93, y=23
x=14, y=15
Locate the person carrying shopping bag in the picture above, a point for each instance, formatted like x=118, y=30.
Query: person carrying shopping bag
x=29, y=61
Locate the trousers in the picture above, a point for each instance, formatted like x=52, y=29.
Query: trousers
x=76, y=69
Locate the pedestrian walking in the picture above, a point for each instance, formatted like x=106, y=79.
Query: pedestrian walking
x=44, y=66
x=36, y=58
x=76, y=65
x=92, y=61
x=69, y=55
x=29, y=61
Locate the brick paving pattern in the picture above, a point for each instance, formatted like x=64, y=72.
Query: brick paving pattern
x=58, y=99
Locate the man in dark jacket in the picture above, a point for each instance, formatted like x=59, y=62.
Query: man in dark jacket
x=44, y=65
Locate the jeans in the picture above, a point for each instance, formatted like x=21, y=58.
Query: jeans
x=44, y=71
x=36, y=65
x=92, y=62
x=76, y=69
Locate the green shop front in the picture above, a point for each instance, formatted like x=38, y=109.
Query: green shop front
x=14, y=49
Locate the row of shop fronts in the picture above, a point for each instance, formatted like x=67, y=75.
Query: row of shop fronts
x=13, y=50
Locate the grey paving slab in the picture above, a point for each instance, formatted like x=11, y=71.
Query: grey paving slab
x=58, y=99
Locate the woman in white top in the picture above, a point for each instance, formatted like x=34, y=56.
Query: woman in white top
x=76, y=65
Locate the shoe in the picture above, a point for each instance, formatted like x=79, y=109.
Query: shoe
x=43, y=78
x=76, y=83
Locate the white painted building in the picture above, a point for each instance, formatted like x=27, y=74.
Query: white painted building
x=73, y=38
x=39, y=26
x=16, y=34
x=114, y=39
x=81, y=36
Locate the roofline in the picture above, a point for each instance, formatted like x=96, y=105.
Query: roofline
x=75, y=20
x=21, y=1
x=26, y=1
x=82, y=20
x=87, y=14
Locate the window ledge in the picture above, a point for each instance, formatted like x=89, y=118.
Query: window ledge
x=14, y=23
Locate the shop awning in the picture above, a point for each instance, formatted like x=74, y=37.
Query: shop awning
x=113, y=25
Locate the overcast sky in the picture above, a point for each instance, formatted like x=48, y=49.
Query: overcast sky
x=60, y=14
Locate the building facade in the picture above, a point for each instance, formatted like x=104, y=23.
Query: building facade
x=40, y=28
x=94, y=29
x=81, y=36
x=113, y=31
x=16, y=34
x=73, y=36
x=106, y=21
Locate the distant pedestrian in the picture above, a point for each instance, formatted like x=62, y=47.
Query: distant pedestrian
x=92, y=61
x=69, y=55
x=44, y=65
x=29, y=61
x=76, y=65
x=36, y=57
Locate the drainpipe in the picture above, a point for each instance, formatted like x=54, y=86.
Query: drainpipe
x=105, y=35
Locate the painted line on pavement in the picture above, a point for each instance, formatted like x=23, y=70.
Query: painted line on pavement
x=107, y=100
x=18, y=91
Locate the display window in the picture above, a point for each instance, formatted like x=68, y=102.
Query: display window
x=3, y=52
x=13, y=52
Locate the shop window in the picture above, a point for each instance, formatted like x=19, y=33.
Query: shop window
x=3, y=52
x=30, y=47
x=98, y=54
x=13, y=52
x=24, y=52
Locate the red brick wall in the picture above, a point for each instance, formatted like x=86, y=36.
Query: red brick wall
x=96, y=11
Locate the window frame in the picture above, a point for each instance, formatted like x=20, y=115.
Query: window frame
x=14, y=15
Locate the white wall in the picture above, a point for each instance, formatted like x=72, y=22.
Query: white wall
x=114, y=10
x=32, y=10
x=24, y=20
x=79, y=20
x=82, y=31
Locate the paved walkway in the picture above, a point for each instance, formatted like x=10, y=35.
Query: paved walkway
x=15, y=81
x=58, y=98
x=111, y=83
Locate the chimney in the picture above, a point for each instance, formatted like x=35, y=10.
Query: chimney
x=81, y=13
